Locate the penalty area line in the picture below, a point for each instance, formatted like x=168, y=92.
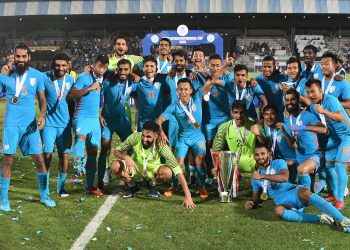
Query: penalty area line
x=95, y=223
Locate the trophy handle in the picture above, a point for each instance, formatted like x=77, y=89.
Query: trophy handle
x=217, y=165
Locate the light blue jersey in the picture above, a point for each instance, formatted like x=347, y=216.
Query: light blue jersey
x=248, y=96
x=88, y=105
x=186, y=127
x=282, y=150
x=149, y=95
x=338, y=89
x=57, y=114
x=116, y=96
x=276, y=190
x=299, y=85
x=23, y=113
x=338, y=131
x=307, y=141
x=314, y=73
x=273, y=92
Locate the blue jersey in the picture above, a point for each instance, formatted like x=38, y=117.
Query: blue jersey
x=299, y=85
x=282, y=150
x=23, y=113
x=248, y=97
x=150, y=100
x=273, y=92
x=116, y=95
x=307, y=141
x=338, y=89
x=186, y=128
x=338, y=131
x=88, y=105
x=57, y=114
x=276, y=190
x=218, y=106
x=314, y=73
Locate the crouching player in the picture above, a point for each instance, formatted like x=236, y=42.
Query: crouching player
x=145, y=162
x=271, y=179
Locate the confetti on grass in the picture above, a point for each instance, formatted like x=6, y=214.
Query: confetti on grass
x=168, y=236
x=138, y=227
x=38, y=232
x=108, y=229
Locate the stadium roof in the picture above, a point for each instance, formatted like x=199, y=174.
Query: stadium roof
x=88, y=7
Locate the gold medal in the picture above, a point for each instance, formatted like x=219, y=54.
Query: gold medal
x=264, y=196
x=196, y=125
x=15, y=100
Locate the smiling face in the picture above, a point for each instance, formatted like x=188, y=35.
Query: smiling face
x=239, y=115
x=268, y=67
x=291, y=103
x=241, y=78
x=309, y=56
x=123, y=71
x=22, y=59
x=60, y=68
x=214, y=66
x=120, y=47
x=262, y=156
x=184, y=91
x=149, y=69
x=270, y=117
x=179, y=63
x=293, y=71
x=328, y=66
x=198, y=58
x=148, y=138
x=164, y=48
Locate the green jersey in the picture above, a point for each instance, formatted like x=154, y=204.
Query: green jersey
x=237, y=139
x=114, y=59
x=153, y=154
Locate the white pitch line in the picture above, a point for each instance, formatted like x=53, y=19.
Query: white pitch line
x=95, y=223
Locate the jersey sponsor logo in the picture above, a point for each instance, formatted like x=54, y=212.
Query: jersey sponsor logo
x=32, y=81
x=332, y=89
x=156, y=85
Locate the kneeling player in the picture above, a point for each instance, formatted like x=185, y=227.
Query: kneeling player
x=290, y=199
x=145, y=161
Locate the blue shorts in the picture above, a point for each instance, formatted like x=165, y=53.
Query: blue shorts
x=332, y=149
x=290, y=198
x=90, y=128
x=26, y=137
x=122, y=128
x=173, y=131
x=343, y=154
x=212, y=126
x=61, y=137
x=196, y=144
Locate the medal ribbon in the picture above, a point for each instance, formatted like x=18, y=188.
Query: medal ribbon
x=188, y=113
x=163, y=66
x=274, y=138
x=122, y=95
x=177, y=79
x=264, y=183
x=329, y=85
x=242, y=94
x=245, y=133
x=144, y=159
x=59, y=93
x=19, y=84
x=291, y=122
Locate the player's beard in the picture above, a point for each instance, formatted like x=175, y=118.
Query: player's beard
x=264, y=163
x=291, y=108
x=148, y=145
x=59, y=73
x=21, y=68
x=179, y=68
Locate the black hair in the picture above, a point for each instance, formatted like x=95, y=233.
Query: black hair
x=214, y=57
x=263, y=145
x=124, y=61
x=292, y=91
x=102, y=59
x=240, y=104
x=311, y=81
x=240, y=67
x=269, y=59
x=59, y=56
x=119, y=37
x=269, y=106
x=331, y=55
x=151, y=126
x=197, y=48
x=179, y=53
x=185, y=79
x=149, y=59
x=24, y=47
x=165, y=39
x=311, y=47
x=294, y=60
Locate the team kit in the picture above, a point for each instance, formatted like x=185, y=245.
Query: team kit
x=289, y=131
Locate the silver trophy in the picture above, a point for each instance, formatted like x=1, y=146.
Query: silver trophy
x=226, y=163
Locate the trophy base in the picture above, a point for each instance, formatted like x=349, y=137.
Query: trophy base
x=225, y=197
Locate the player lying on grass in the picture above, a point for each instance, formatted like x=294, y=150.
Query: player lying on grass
x=272, y=178
x=145, y=162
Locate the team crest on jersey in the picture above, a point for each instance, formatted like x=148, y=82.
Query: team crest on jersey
x=298, y=89
x=67, y=86
x=156, y=85
x=194, y=107
x=332, y=89
x=248, y=96
x=7, y=147
x=315, y=76
x=32, y=81
x=300, y=123
x=128, y=90
x=77, y=129
x=215, y=92
x=272, y=171
x=279, y=138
